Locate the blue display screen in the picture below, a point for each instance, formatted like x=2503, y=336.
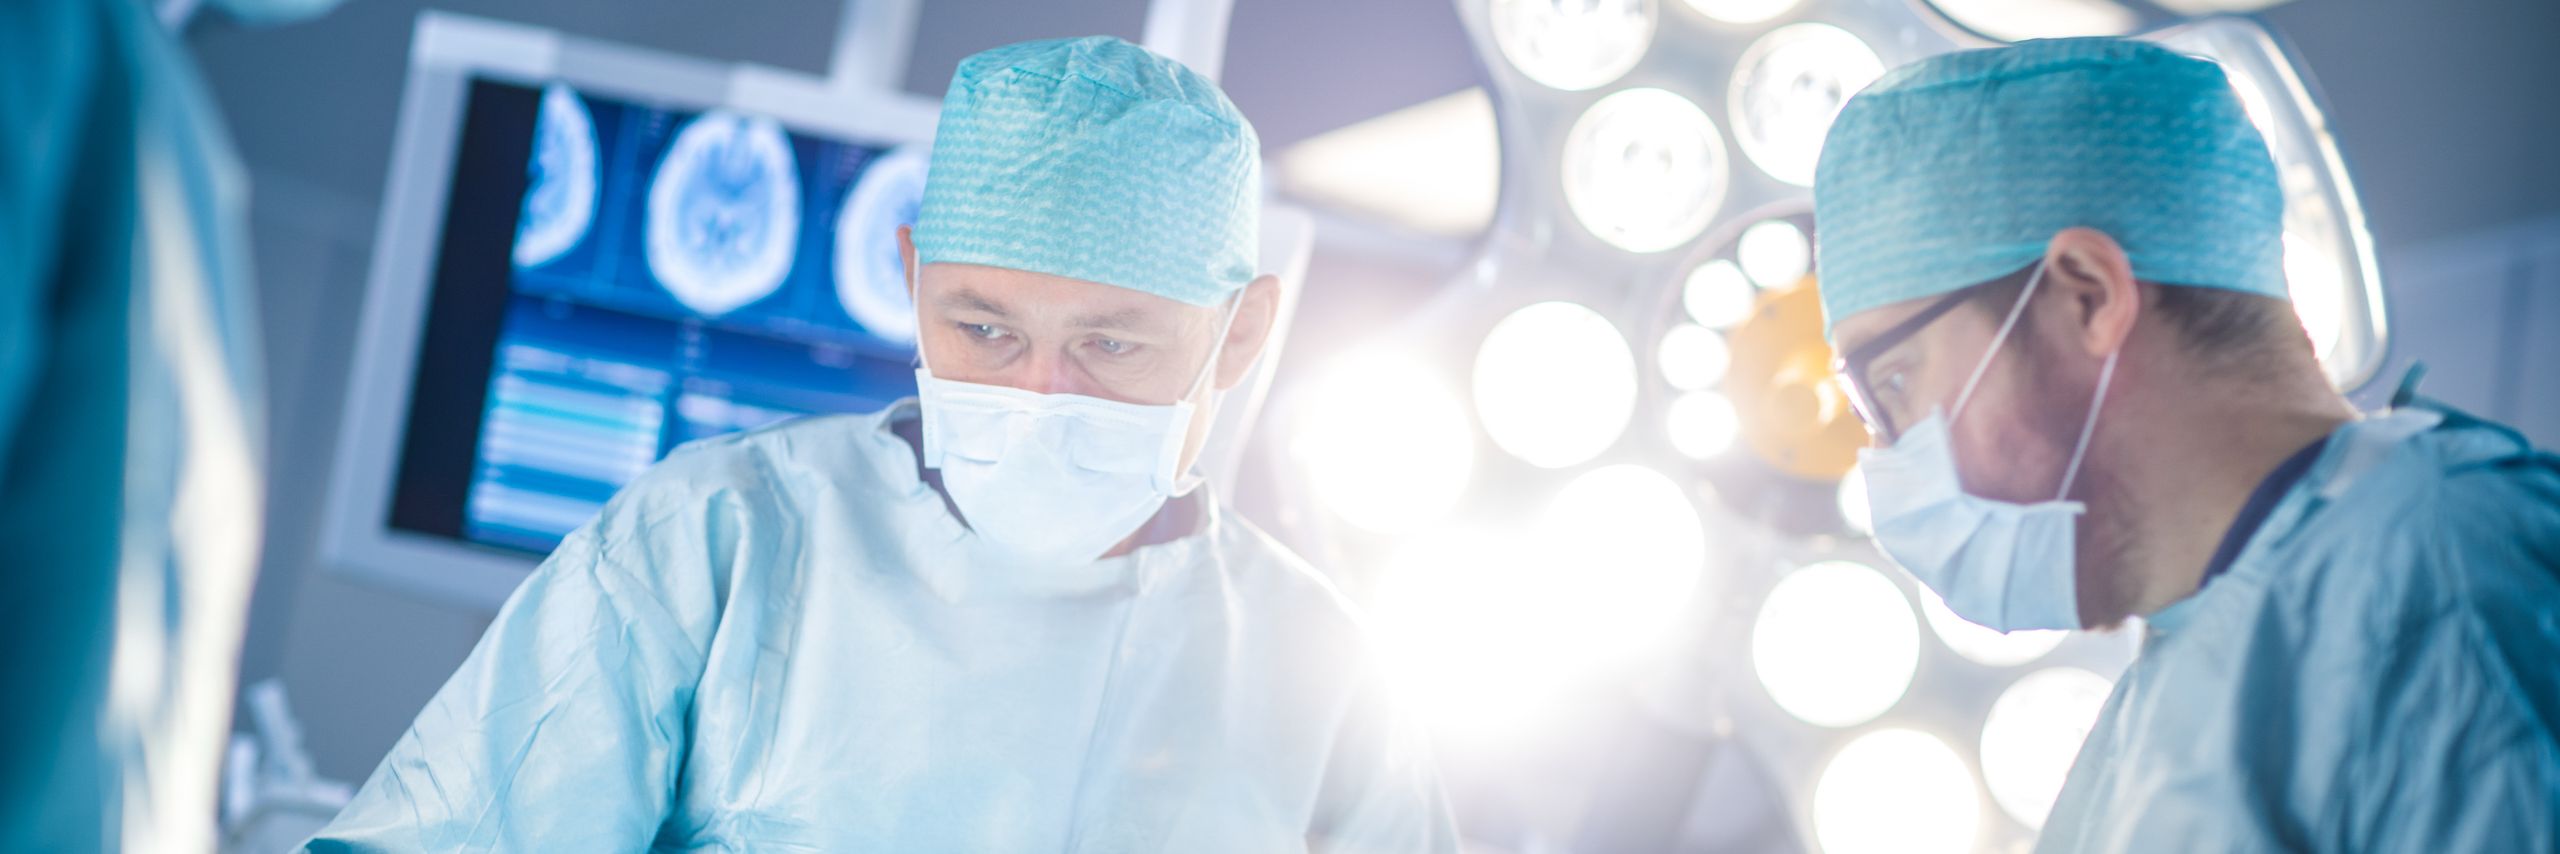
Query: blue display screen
x=669, y=275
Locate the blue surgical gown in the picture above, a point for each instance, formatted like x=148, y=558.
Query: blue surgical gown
x=784, y=641
x=129, y=432
x=2379, y=670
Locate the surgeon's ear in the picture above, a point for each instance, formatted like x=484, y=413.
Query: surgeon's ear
x=1250, y=331
x=2099, y=298
x=907, y=258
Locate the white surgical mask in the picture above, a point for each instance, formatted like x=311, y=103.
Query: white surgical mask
x=2006, y=566
x=1056, y=479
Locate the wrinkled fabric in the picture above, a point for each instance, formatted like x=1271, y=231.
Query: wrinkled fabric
x=1958, y=169
x=784, y=641
x=129, y=432
x=2375, y=672
x=1094, y=159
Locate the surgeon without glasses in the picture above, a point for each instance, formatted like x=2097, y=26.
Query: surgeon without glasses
x=2055, y=275
x=1001, y=617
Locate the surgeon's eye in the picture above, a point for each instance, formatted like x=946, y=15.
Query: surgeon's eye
x=1113, y=347
x=1891, y=390
x=984, y=331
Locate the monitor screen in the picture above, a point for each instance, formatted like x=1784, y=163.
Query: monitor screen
x=615, y=279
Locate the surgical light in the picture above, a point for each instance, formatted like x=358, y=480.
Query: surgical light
x=1385, y=443
x=1717, y=294
x=1554, y=384
x=1835, y=644
x=2312, y=277
x=1573, y=44
x=1693, y=357
x=1981, y=644
x=1899, y=791
x=1644, y=169
x=2328, y=251
x=2019, y=20
x=1774, y=253
x=2032, y=735
x=1702, y=424
x=1621, y=547
x=1742, y=11
x=1786, y=90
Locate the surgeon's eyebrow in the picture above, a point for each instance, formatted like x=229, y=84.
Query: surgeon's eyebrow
x=1127, y=319
x=967, y=299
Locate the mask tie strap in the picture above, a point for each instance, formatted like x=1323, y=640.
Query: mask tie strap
x=2089, y=427
x=2006, y=324
x=1182, y=482
x=912, y=274
x=1217, y=346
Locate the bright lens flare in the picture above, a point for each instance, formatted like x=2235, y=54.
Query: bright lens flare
x=1786, y=90
x=1854, y=509
x=1623, y=548
x=1644, y=169
x=1693, y=357
x=1835, y=644
x=1774, y=253
x=1573, y=44
x=1385, y=443
x=1702, y=424
x=2032, y=735
x=1459, y=618
x=1984, y=645
x=1897, y=791
x=1484, y=628
x=1555, y=384
x=1717, y=294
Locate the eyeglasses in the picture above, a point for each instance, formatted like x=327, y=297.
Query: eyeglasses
x=1852, y=366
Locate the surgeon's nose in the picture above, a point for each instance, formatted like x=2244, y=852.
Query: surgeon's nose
x=1047, y=372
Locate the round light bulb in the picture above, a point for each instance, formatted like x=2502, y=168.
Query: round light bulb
x=1693, y=357
x=1788, y=87
x=1702, y=424
x=1572, y=44
x=1718, y=295
x=1835, y=644
x=1742, y=11
x=1644, y=169
x=1554, y=384
x=1774, y=254
x=2034, y=733
x=1899, y=791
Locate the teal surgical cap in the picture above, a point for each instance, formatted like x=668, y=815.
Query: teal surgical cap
x=1960, y=168
x=1094, y=159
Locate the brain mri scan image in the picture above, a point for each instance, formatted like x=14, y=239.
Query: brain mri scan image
x=560, y=184
x=723, y=212
x=870, y=277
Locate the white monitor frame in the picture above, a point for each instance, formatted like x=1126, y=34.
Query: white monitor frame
x=447, y=53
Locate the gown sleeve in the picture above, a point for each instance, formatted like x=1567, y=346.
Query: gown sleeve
x=566, y=727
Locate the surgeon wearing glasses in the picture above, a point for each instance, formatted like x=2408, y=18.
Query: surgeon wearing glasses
x=2054, y=272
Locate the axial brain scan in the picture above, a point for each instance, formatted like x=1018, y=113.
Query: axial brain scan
x=560, y=181
x=723, y=212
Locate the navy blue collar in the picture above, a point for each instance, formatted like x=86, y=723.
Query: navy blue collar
x=2261, y=502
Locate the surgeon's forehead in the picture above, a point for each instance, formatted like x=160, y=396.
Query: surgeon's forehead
x=1007, y=292
x=1854, y=331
